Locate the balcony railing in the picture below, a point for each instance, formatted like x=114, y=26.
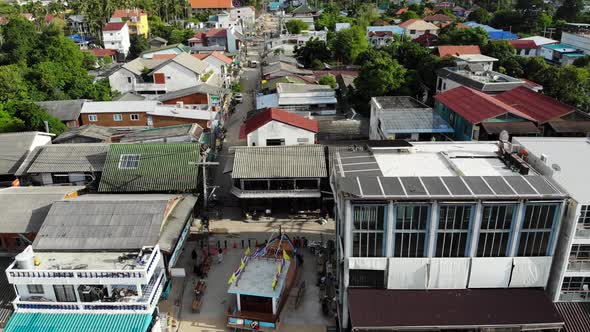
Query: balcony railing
x=578, y=265
x=582, y=232
x=575, y=296
x=293, y=193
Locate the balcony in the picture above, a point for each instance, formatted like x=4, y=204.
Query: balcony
x=150, y=87
x=292, y=193
x=87, y=268
x=582, y=232
x=578, y=265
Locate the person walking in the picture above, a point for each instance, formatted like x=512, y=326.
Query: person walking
x=220, y=256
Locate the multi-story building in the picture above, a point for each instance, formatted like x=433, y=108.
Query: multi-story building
x=136, y=19
x=115, y=35
x=578, y=38
x=445, y=235
x=78, y=24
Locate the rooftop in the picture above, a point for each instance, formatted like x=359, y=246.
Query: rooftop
x=211, y=4
x=64, y=110
x=414, y=121
x=14, y=148
x=398, y=102
x=303, y=88
x=486, y=81
x=540, y=41
x=258, y=276
x=146, y=135
x=418, y=24
x=539, y=107
x=277, y=114
x=470, y=58
x=113, y=260
x=561, y=48
x=99, y=133
x=63, y=158
x=114, y=26
x=74, y=322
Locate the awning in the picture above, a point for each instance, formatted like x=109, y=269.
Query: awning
x=564, y=126
x=450, y=309
x=72, y=322
x=513, y=128
x=576, y=315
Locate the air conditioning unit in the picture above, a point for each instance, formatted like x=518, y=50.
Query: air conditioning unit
x=543, y=158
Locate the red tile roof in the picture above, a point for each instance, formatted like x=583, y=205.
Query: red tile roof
x=101, y=52
x=401, y=11
x=523, y=44
x=448, y=50
x=211, y=4
x=114, y=26
x=408, y=22
x=476, y=106
x=277, y=114
x=200, y=56
x=438, y=18
x=164, y=56
x=427, y=40
x=222, y=57
x=216, y=33
x=539, y=107
x=128, y=13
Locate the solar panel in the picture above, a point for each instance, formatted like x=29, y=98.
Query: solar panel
x=345, y=161
x=520, y=185
x=541, y=184
x=477, y=185
x=435, y=186
x=350, y=185
x=456, y=186
x=413, y=186
x=359, y=167
x=392, y=186
x=498, y=185
x=370, y=186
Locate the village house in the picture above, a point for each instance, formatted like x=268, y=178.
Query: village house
x=78, y=24
x=220, y=63
x=137, y=20
x=66, y=111
x=378, y=36
x=561, y=54
x=174, y=49
x=172, y=115
x=440, y=20
x=15, y=148
x=280, y=69
x=115, y=35
x=274, y=126
x=415, y=28
x=157, y=42
x=88, y=134
x=245, y=15
x=170, y=134
x=201, y=97
x=303, y=99
x=121, y=114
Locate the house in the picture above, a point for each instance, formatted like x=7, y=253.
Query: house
x=212, y=6
x=163, y=116
x=245, y=15
x=439, y=20
x=460, y=11
x=106, y=269
x=151, y=168
x=280, y=69
x=121, y=114
x=526, y=48
x=15, y=148
x=475, y=73
x=157, y=42
x=415, y=28
x=274, y=126
x=136, y=19
x=115, y=36
x=427, y=40
x=453, y=50
x=23, y=212
x=220, y=63
x=170, y=134
x=265, y=177
x=578, y=38
x=225, y=40
x=541, y=41
x=64, y=164
x=301, y=99
x=382, y=35
x=78, y=24
x=86, y=134
x=493, y=33
x=159, y=76
x=201, y=96
x=270, y=86
x=400, y=117
x=462, y=233
x=175, y=49
x=271, y=59
x=66, y=111
x=102, y=54
x=561, y=54
x=476, y=62
x=223, y=20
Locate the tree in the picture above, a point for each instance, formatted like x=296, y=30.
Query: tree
x=480, y=15
x=317, y=65
x=314, y=48
x=20, y=39
x=572, y=86
x=10, y=123
x=296, y=26
x=409, y=15
x=138, y=44
x=477, y=36
x=278, y=51
x=180, y=36
x=328, y=80
x=524, y=5
x=582, y=61
x=13, y=84
x=349, y=43
x=509, y=20
x=236, y=87
x=500, y=50
x=33, y=117
x=569, y=10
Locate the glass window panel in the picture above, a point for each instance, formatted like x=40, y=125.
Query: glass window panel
x=454, y=225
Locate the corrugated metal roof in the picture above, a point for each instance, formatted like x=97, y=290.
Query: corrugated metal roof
x=576, y=315
x=162, y=168
x=263, y=162
x=539, y=107
x=64, y=158
x=413, y=121
x=175, y=223
x=163, y=133
x=102, y=134
x=76, y=322
x=24, y=208
x=564, y=126
x=277, y=114
x=14, y=148
x=102, y=224
x=64, y=110
x=7, y=294
x=513, y=128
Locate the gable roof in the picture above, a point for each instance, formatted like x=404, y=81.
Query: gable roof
x=204, y=88
x=540, y=41
x=540, y=107
x=161, y=168
x=188, y=61
x=438, y=18
x=91, y=131
x=523, y=44
x=452, y=50
x=25, y=208
x=65, y=158
x=63, y=110
x=137, y=65
x=277, y=114
x=221, y=57
x=401, y=11
x=114, y=26
x=150, y=134
x=14, y=148
x=475, y=106
x=211, y=4
x=179, y=46
x=303, y=9
x=418, y=24
x=215, y=33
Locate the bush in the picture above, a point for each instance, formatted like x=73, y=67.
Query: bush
x=328, y=80
x=296, y=26
x=236, y=87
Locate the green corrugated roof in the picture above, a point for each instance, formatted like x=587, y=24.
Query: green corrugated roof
x=162, y=168
x=71, y=322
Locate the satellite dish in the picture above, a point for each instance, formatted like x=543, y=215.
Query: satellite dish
x=504, y=136
x=556, y=167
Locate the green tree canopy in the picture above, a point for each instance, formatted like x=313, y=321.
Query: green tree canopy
x=569, y=10
x=349, y=43
x=328, y=80
x=33, y=117
x=138, y=44
x=480, y=15
x=296, y=26
x=477, y=36
x=409, y=15
x=314, y=49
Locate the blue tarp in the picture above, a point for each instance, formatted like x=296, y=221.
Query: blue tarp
x=393, y=28
x=76, y=38
x=274, y=5
x=493, y=33
x=76, y=322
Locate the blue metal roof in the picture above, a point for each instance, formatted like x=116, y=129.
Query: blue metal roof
x=76, y=322
x=502, y=35
x=274, y=5
x=393, y=28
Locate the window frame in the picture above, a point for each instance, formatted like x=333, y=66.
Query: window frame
x=467, y=231
x=118, y=117
x=134, y=115
x=528, y=231
x=34, y=289
x=487, y=232
x=425, y=209
x=66, y=293
x=367, y=234
x=584, y=217
x=92, y=117
x=124, y=161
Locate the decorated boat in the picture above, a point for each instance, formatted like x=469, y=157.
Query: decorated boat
x=262, y=283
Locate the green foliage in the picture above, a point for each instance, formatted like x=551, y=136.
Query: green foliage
x=329, y=17
x=328, y=80
x=180, y=36
x=10, y=123
x=582, y=61
x=236, y=87
x=206, y=76
x=278, y=51
x=316, y=64
x=409, y=15
x=138, y=44
x=569, y=10
x=508, y=19
x=314, y=49
x=296, y=26
x=20, y=39
x=480, y=15
x=349, y=43
x=476, y=36
x=33, y=117
x=89, y=60
x=13, y=84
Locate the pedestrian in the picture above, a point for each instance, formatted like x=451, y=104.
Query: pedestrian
x=304, y=242
x=220, y=256
x=194, y=254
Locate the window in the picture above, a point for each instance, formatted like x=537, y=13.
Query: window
x=92, y=118
x=272, y=142
x=439, y=84
x=584, y=219
x=411, y=225
x=579, y=259
x=496, y=223
x=426, y=31
x=454, y=224
x=412, y=32
x=134, y=117
x=302, y=140
x=129, y=161
x=536, y=229
x=168, y=77
x=35, y=289
x=64, y=293
x=118, y=117
x=128, y=79
x=366, y=278
x=368, y=231
x=576, y=289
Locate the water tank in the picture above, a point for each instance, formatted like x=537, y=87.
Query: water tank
x=24, y=260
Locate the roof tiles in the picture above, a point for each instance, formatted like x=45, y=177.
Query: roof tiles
x=539, y=107
x=277, y=114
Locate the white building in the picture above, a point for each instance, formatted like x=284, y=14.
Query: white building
x=303, y=99
x=274, y=126
x=246, y=15
x=115, y=35
x=475, y=77
x=415, y=28
x=579, y=40
x=476, y=62
x=444, y=230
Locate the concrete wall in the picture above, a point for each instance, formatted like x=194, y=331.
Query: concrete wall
x=278, y=130
x=119, y=80
x=178, y=77
x=48, y=292
x=118, y=40
x=445, y=84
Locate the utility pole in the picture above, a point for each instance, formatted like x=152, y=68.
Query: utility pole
x=205, y=163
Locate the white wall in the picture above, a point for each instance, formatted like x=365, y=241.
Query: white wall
x=447, y=84
x=246, y=14
x=577, y=41
x=278, y=130
x=418, y=33
x=48, y=293
x=119, y=80
x=178, y=77
x=150, y=55
x=231, y=41
x=40, y=139
x=118, y=40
